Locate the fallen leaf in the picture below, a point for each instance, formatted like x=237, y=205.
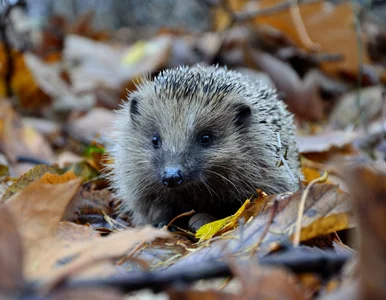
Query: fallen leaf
x=86, y=293
x=11, y=255
x=82, y=170
x=268, y=231
x=267, y=282
x=64, y=98
x=94, y=251
x=301, y=96
x=11, y=264
x=84, y=128
x=348, y=112
x=310, y=174
x=23, y=83
x=325, y=141
x=217, y=227
x=101, y=64
x=33, y=174
x=92, y=207
x=43, y=126
x=39, y=207
x=338, y=20
x=367, y=184
x=56, y=178
x=37, y=210
x=325, y=225
x=17, y=140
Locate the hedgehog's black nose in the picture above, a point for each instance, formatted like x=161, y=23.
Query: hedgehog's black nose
x=172, y=177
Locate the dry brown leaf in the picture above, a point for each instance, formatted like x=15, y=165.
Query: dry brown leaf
x=338, y=21
x=301, y=96
x=325, y=225
x=23, y=84
x=47, y=128
x=267, y=283
x=115, y=67
x=85, y=129
x=86, y=293
x=348, y=112
x=16, y=140
x=47, y=76
x=368, y=187
x=11, y=256
x=64, y=98
x=56, y=178
x=32, y=175
x=310, y=174
x=92, y=252
x=269, y=229
x=325, y=141
x=91, y=207
x=38, y=208
x=83, y=26
x=11, y=262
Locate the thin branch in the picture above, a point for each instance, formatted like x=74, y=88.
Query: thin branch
x=301, y=28
x=323, y=263
x=260, y=12
x=185, y=214
x=360, y=52
x=302, y=204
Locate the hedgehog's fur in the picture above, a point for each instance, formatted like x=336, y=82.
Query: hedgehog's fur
x=179, y=104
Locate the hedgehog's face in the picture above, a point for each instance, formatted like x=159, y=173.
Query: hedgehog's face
x=188, y=144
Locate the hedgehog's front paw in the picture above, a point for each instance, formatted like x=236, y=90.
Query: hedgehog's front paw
x=160, y=224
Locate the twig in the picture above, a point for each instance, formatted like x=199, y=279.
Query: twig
x=300, y=27
x=360, y=47
x=324, y=263
x=185, y=214
x=301, y=207
x=259, y=12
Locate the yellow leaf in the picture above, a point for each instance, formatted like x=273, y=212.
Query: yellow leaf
x=135, y=53
x=209, y=230
x=325, y=225
x=310, y=174
x=56, y=178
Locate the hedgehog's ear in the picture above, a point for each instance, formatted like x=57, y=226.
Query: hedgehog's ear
x=134, y=107
x=243, y=116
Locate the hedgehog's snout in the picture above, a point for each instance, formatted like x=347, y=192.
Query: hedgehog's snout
x=172, y=177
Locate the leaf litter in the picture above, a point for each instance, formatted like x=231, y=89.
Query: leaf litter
x=60, y=225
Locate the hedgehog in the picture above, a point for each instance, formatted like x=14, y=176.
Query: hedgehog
x=202, y=138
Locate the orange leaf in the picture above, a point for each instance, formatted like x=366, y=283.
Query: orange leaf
x=56, y=178
x=333, y=28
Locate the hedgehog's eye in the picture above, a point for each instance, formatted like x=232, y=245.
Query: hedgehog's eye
x=205, y=138
x=156, y=141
